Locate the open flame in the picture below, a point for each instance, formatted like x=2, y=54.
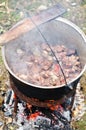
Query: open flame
x=56, y=107
x=55, y=116
x=33, y=115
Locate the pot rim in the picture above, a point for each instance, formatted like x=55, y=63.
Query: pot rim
x=49, y=87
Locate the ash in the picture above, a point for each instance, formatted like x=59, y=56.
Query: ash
x=36, y=118
x=42, y=118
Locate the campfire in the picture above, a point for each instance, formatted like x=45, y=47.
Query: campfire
x=54, y=117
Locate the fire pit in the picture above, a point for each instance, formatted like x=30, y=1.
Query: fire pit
x=32, y=117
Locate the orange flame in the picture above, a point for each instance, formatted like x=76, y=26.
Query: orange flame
x=56, y=107
x=29, y=106
x=14, y=96
x=34, y=115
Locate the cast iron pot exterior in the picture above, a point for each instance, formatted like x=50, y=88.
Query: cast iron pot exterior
x=51, y=92
x=43, y=94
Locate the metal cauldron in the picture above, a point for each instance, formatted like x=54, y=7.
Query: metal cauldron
x=56, y=30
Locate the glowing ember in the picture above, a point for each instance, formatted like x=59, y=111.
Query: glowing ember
x=33, y=116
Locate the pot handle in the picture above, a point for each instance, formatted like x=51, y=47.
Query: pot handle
x=19, y=29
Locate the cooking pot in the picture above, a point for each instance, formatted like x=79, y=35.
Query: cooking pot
x=58, y=31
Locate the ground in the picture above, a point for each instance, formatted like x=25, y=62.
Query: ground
x=12, y=11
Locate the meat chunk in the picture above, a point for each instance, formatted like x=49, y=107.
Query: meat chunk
x=48, y=69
